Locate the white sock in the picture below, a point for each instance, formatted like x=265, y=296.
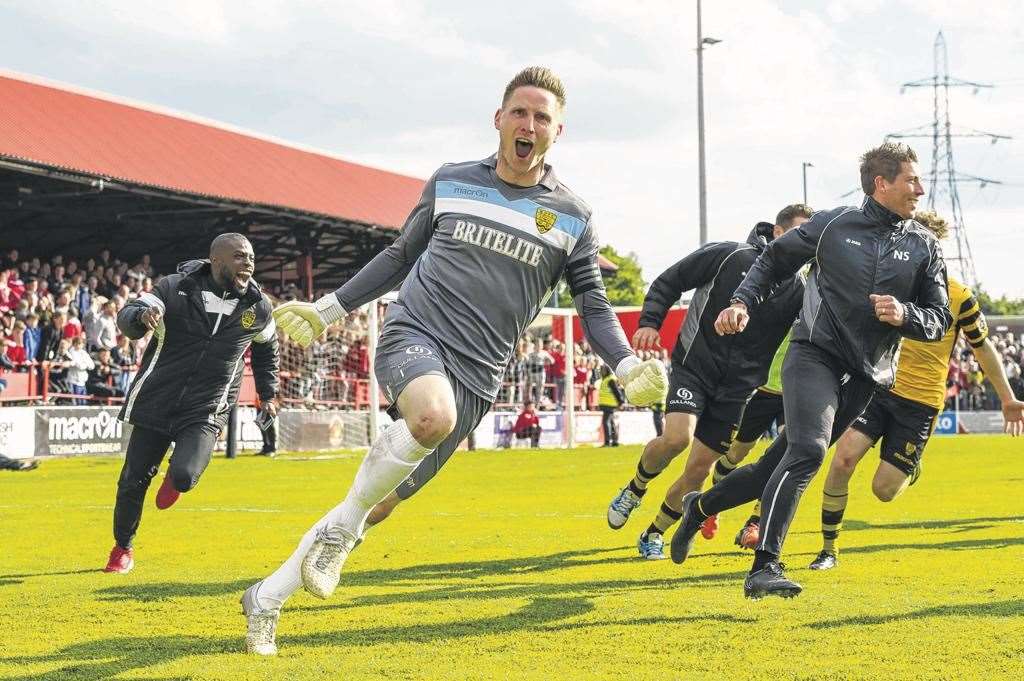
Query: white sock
x=391, y=459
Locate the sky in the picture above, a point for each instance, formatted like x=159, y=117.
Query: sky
x=407, y=85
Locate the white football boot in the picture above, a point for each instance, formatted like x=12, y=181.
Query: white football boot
x=321, y=568
x=262, y=624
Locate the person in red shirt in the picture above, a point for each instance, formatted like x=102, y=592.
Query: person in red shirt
x=581, y=380
x=556, y=372
x=15, y=347
x=527, y=425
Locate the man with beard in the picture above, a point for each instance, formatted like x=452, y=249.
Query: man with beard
x=203, y=319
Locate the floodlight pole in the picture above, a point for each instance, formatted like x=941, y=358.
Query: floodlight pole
x=805, y=165
x=701, y=172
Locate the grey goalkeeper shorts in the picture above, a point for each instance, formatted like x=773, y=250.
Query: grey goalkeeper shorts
x=404, y=354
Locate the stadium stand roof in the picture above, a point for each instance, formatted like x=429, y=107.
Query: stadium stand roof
x=87, y=170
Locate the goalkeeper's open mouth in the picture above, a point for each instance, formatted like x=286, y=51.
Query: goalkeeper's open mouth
x=523, y=147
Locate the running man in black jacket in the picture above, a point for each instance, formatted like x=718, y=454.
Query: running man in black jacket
x=877, y=276
x=712, y=377
x=203, y=319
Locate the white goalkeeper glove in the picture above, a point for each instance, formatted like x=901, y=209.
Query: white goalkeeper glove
x=305, y=322
x=644, y=382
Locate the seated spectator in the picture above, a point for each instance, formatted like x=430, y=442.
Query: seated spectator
x=527, y=425
x=127, y=355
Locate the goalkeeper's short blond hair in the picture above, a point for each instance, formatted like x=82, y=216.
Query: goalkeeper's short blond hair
x=536, y=76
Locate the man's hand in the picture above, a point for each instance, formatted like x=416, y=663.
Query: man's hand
x=150, y=318
x=732, y=319
x=1013, y=417
x=646, y=338
x=888, y=309
x=646, y=383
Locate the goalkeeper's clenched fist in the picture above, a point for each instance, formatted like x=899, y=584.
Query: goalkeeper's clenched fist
x=305, y=322
x=644, y=382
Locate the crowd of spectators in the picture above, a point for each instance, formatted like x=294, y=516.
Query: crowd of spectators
x=334, y=370
x=58, y=317
x=968, y=389
x=538, y=373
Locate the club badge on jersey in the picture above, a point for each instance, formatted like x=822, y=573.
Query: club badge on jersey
x=545, y=220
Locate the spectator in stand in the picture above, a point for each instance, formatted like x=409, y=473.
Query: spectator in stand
x=57, y=368
x=79, y=366
x=7, y=322
x=527, y=425
x=57, y=278
x=91, y=323
x=127, y=356
x=107, y=337
x=15, y=350
x=50, y=338
x=31, y=337
x=73, y=326
x=10, y=260
x=581, y=381
x=5, y=365
x=556, y=370
x=104, y=377
x=78, y=291
x=8, y=298
x=537, y=362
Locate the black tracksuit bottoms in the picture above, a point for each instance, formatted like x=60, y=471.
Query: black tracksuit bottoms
x=193, y=447
x=821, y=400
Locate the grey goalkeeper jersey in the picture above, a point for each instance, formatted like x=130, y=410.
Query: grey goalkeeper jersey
x=479, y=258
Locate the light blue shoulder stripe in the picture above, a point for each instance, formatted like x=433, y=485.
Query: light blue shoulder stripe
x=447, y=189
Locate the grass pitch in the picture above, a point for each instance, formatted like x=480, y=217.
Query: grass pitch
x=504, y=567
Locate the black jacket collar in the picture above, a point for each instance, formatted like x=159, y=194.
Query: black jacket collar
x=881, y=215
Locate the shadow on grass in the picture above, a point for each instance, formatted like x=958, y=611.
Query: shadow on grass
x=160, y=591
x=956, y=524
x=1012, y=608
x=106, y=658
x=959, y=545
x=491, y=591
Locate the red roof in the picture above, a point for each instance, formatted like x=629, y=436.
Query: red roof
x=103, y=136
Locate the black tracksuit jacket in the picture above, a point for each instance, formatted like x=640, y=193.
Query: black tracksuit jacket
x=192, y=369
x=732, y=363
x=857, y=252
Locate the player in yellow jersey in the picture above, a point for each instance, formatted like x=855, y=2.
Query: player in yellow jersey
x=903, y=417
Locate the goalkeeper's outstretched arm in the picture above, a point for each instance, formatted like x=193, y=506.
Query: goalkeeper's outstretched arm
x=305, y=322
x=390, y=267
x=602, y=328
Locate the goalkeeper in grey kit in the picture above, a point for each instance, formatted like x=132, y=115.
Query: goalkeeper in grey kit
x=477, y=258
